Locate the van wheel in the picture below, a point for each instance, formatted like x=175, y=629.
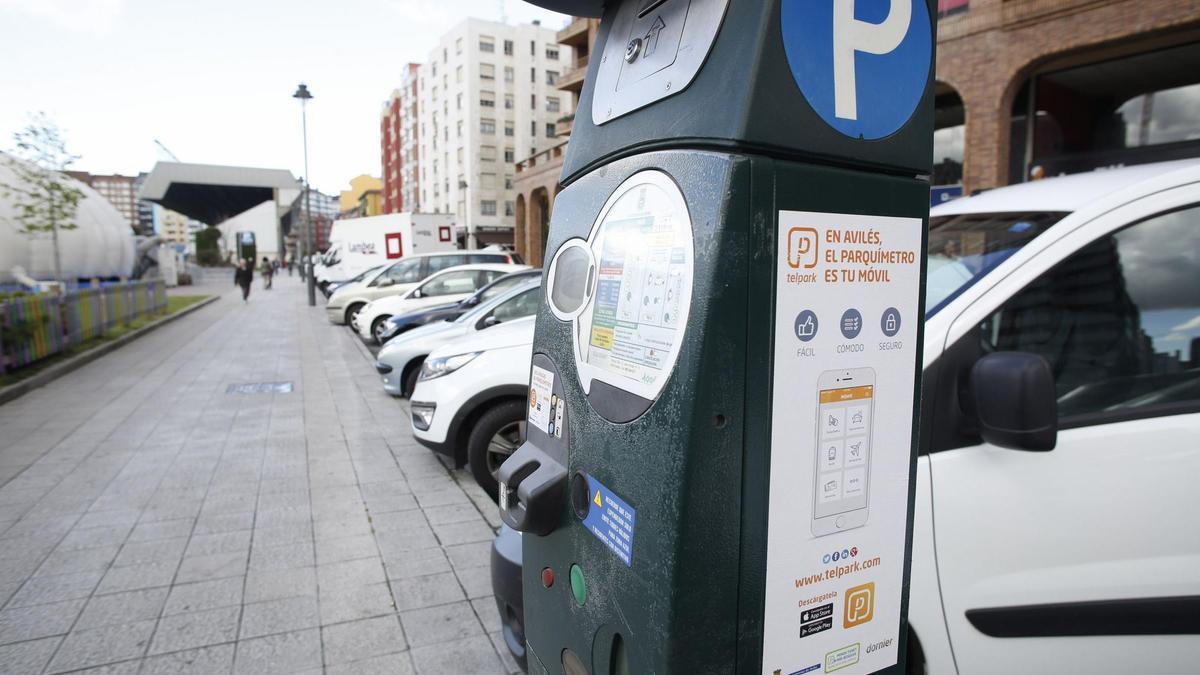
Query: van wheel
x=496, y=436
x=352, y=311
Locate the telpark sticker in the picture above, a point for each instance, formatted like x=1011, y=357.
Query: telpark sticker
x=541, y=388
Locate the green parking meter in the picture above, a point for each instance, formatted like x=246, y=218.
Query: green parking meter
x=718, y=476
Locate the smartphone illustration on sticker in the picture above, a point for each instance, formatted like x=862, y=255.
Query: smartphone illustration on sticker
x=842, y=461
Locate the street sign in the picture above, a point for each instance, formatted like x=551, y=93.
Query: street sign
x=861, y=64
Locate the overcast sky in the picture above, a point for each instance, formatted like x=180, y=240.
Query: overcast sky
x=213, y=79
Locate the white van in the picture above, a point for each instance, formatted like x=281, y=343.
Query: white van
x=357, y=244
x=1055, y=526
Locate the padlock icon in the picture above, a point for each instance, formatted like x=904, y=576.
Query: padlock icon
x=891, y=323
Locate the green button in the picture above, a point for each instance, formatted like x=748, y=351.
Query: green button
x=578, y=585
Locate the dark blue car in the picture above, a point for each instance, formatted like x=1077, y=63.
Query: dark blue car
x=405, y=322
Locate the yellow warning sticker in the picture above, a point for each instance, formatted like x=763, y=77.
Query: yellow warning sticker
x=597, y=499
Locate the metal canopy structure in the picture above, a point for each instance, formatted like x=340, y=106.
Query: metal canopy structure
x=211, y=193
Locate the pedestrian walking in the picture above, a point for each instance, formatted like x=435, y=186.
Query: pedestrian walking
x=243, y=276
x=275, y=267
x=289, y=264
x=267, y=273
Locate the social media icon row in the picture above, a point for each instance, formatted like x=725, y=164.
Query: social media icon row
x=850, y=325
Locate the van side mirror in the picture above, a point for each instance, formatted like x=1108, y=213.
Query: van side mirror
x=1015, y=401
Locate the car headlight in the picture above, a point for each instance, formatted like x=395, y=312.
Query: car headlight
x=433, y=368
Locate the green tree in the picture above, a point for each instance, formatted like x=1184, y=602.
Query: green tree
x=207, y=251
x=44, y=198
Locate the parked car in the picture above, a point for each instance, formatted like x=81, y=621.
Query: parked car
x=399, y=361
x=449, y=285
x=470, y=399
x=1060, y=417
x=364, y=276
x=402, y=323
x=401, y=276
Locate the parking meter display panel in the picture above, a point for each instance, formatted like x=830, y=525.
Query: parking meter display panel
x=637, y=288
x=668, y=477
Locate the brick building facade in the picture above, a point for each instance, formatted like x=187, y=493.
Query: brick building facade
x=992, y=53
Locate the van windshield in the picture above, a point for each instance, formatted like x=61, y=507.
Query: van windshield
x=965, y=248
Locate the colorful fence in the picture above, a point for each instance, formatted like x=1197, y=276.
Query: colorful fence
x=37, y=326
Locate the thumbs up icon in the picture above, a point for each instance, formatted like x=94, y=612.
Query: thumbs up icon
x=808, y=328
x=806, y=325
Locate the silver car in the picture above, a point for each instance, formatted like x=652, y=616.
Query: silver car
x=399, y=361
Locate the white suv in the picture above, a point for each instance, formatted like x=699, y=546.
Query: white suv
x=470, y=400
x=1055, y=522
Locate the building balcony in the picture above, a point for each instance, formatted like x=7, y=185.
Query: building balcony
x=575, y=34
x=543, y=158
x=562, y=127
x=572, y=80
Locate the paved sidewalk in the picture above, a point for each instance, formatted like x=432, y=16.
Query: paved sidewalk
x=151, y=522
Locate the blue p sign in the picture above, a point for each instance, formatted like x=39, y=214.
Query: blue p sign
x=861, y=64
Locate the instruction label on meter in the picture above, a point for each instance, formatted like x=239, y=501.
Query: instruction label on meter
x=845, y=362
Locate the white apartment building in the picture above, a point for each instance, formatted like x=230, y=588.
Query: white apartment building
x=486, y=97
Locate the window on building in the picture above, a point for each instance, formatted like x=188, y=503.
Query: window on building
x=459, y=102
x=509, y=74
x=509, y=208
x=487, y=153
x=550, y=132
x=487, y=71
x=435, y=68
x=552, y=52
x=487, y=99
x=508, y=182
x=487, y=207
x=487, y=127
x=487, y=44
x=458, y=74
x=551, y=77
x=458, y=46
x=508, y=101
x=532, y=48
x=533, y=101
x=487, y=180
x=510, y=155
x=533, y=128
x=533, y=75
x=434, y=93
x=508, y=47
x=552, y=104
x=460, y=127
x=508, y=128
x=459, y=155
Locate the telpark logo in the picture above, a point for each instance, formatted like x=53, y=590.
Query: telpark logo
x=859, y=605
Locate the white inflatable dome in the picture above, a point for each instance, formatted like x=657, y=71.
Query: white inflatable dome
x=101, y=245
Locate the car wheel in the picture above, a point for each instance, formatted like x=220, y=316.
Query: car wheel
x=410, y=378
x=496, y=436
x=352, y=312
x=377, y=328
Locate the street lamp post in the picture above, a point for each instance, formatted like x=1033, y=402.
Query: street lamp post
x=303, y=94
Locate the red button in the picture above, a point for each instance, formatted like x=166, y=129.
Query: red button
x=547, y=577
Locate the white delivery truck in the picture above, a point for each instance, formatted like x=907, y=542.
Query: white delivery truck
x=358, y=244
